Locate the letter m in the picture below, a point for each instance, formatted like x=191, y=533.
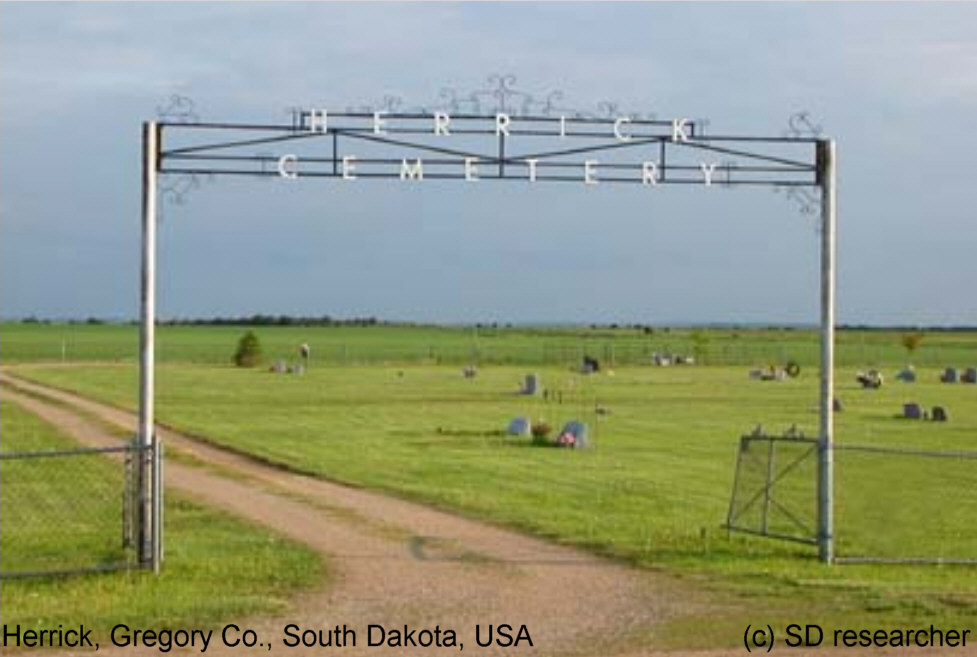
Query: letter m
x=410, y=171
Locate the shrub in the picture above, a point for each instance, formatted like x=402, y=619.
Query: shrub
x=540, y=432
x=911, y=341
x=248, y=352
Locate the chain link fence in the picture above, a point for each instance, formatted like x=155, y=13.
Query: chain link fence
x=67, y=510
x=891, y=504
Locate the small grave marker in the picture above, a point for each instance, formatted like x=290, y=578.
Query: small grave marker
x=912, y=411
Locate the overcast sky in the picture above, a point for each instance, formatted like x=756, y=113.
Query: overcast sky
x=894, y=84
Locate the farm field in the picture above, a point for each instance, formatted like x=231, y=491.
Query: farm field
x=255, y=570
x=654, y=490
x=487, y=344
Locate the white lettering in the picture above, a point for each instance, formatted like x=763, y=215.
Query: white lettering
x=502, y=124
x=590, y=172
x=471, y=171
x=441, y=121
x=378, y=123
x=617, y=129
x=563, y=126
x=414, y=172
x=707, y=171
x=348, y=167
x=649, y=173
x=532, y=169
x=285, y=168
x=680, y=129
x=318, y=120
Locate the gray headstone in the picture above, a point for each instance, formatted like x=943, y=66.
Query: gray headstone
x=907, y=376
x=518, y=427
x=531, y=387
x=579, y=432
x=939, y=414
x=969, y=376
x=912, y=411
x=279, y=367
x=949, y=375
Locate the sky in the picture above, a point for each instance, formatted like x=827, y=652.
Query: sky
x=895, y=84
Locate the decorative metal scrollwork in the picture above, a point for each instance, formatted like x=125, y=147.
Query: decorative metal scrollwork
x=501, y=95
x=176, y=188
x=800, y=125
x=179, y=109
x=807, y=201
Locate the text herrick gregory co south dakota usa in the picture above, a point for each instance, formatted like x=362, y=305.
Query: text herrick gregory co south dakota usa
x=317, y=121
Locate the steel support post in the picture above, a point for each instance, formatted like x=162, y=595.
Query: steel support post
x=150, y=491
x=826, y=180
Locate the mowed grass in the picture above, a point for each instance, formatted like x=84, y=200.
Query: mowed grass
x=655, y=488
x=217, y=566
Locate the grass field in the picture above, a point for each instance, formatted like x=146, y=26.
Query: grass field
x=344, y=345
x=655, y=488
x=254, y=570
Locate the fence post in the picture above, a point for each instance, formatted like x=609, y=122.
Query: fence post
x=149, y=489
x=826, y=179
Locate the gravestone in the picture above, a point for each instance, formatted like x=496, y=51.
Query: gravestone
x=871, y=379
x=518, y=427
x=531, y=386
x=579, y=432
x=939, y=414
x=908, y=375
x=912, y=411
x=949, y=375
x=969, y=376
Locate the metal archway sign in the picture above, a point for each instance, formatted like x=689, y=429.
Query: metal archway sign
x=496, y=134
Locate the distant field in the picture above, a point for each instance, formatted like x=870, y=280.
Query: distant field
x=516, y=346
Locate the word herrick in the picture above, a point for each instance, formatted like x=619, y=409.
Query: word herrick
x=317, y=120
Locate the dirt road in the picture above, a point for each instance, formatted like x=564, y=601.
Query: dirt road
x=397, y=563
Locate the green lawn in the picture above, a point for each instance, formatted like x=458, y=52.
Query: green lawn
x=655, y=488
x=217, y=567
x=387, y=408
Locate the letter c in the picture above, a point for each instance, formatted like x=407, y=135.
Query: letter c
x=617, y=128
x=286, y=166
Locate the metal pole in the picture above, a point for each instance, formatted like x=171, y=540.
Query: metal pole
x=149, y=493
x=826, y=179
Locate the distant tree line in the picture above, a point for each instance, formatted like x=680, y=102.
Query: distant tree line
x=326, y=320
x=276, y=320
